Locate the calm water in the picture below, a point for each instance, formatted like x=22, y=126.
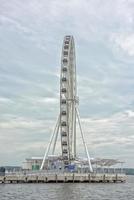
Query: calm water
x=69, y=191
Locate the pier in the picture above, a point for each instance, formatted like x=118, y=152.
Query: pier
x=64, y=178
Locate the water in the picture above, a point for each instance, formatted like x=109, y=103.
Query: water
x=69, y=191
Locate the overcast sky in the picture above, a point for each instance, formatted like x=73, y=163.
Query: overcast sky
x=31, y=35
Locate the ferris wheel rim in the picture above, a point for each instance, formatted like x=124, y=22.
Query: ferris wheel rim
x=68, y=54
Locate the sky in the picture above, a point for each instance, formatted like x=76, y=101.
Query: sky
x=31, y=36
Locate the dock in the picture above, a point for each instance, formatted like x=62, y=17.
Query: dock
x=64, y=178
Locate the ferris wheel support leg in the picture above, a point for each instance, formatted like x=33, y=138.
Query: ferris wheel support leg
x=75, y=137
x=56, y=136
x=86, y=149
x=49, y=145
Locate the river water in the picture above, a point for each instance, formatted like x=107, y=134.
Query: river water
x=69, y=191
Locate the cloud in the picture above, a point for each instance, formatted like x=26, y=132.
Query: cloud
x=125, y=43
x=5, y=100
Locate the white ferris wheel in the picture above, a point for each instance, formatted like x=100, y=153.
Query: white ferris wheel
x=69, y=114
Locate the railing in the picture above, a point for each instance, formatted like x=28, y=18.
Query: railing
x=51, y=172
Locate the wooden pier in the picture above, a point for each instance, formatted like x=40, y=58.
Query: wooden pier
x=64, y=178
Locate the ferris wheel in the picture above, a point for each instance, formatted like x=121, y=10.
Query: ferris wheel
x=69, y=114
x=68, y=92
